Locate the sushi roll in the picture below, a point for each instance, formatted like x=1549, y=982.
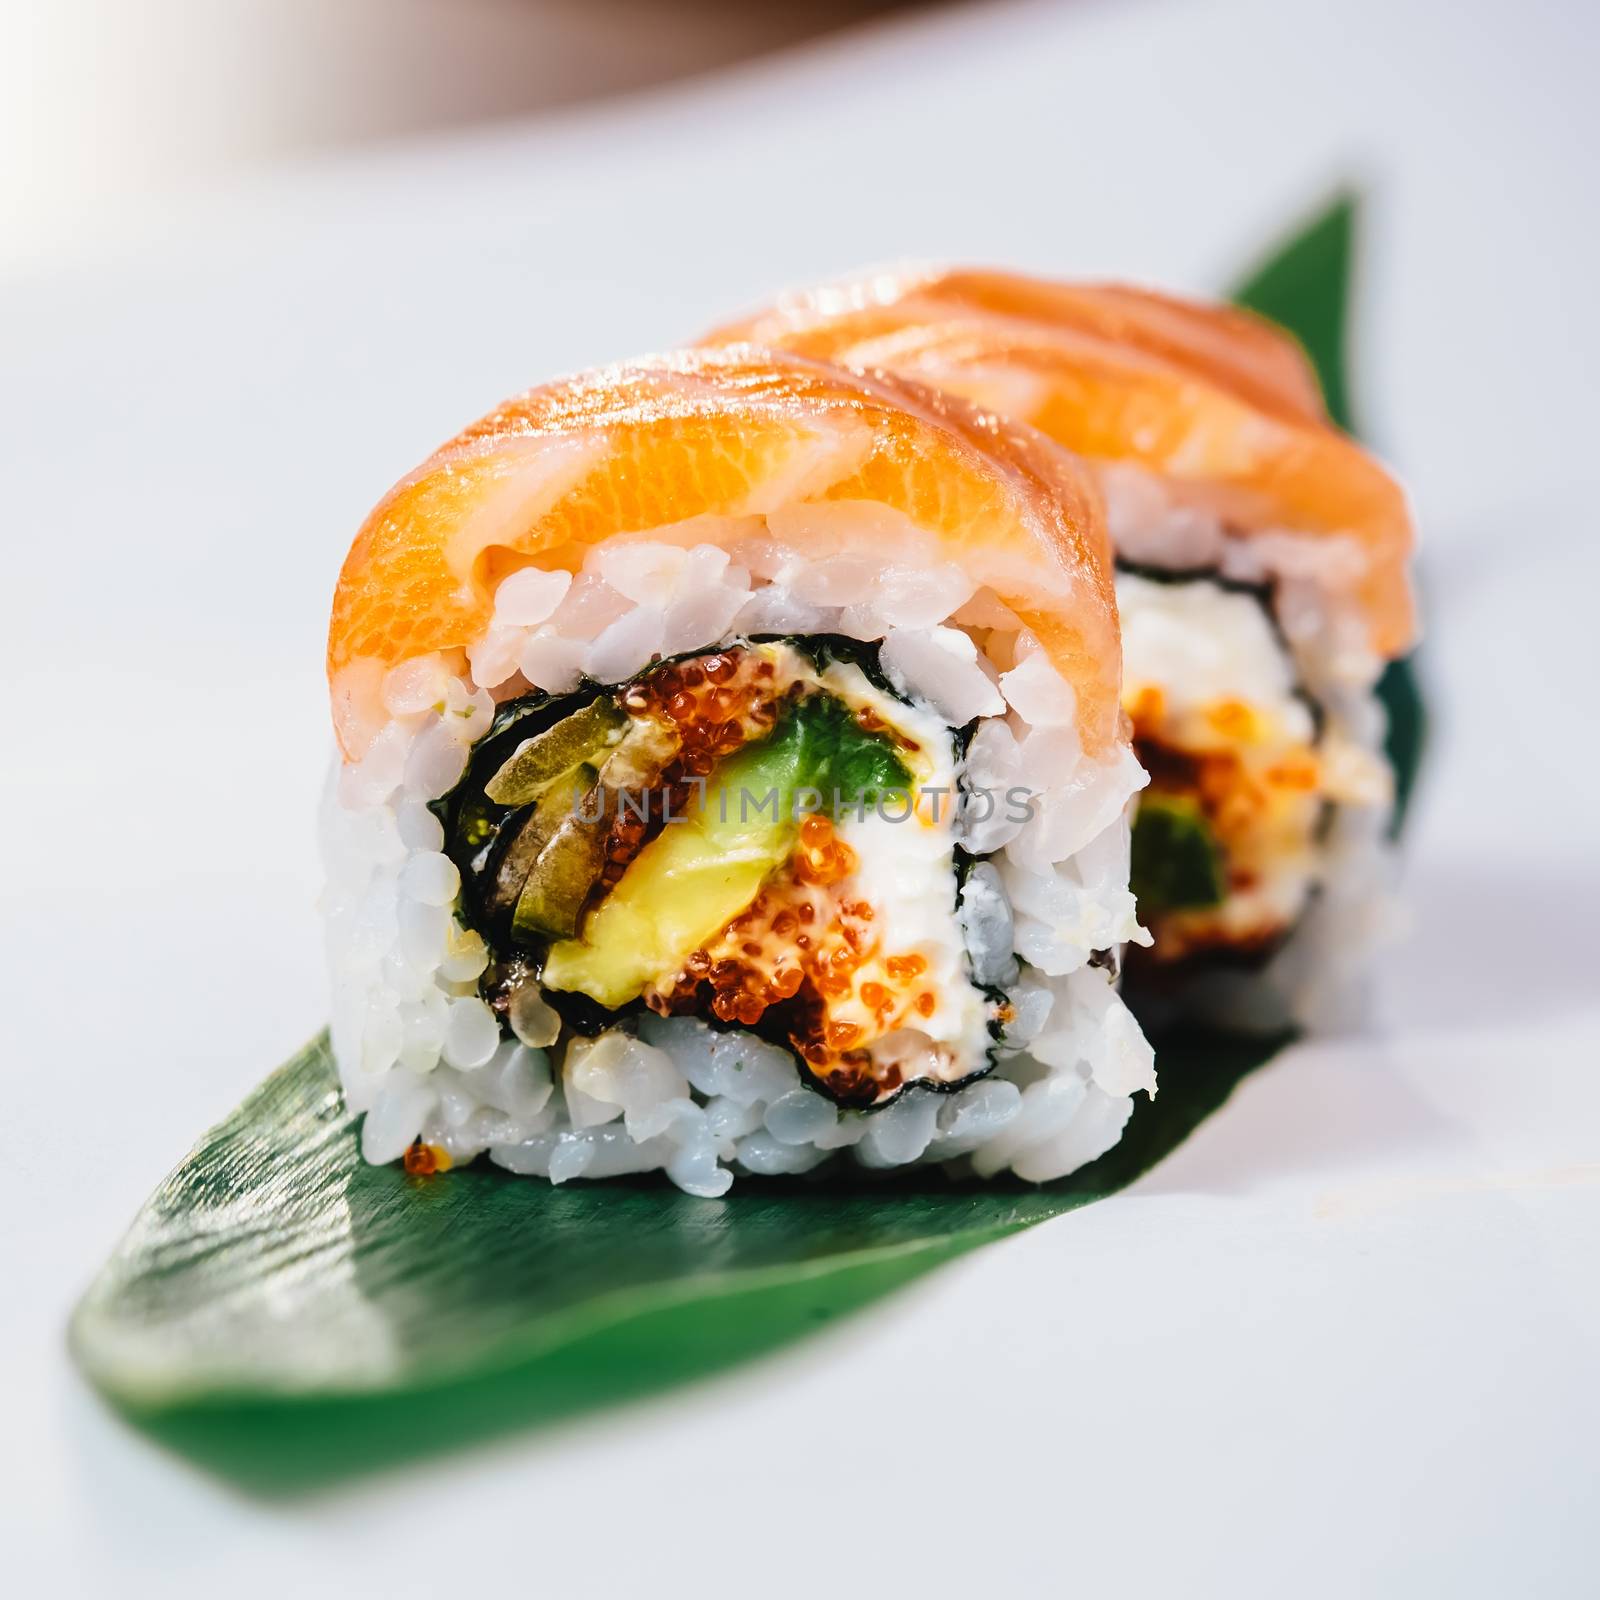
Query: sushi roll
x=733, y=780
x=1262, y=578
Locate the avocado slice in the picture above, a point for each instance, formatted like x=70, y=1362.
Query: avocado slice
x=697, y=874
x=690, y=880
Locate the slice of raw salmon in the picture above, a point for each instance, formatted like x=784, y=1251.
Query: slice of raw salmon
x=724, y=433
x=1217, y=401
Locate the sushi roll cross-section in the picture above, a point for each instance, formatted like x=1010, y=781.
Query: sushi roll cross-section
x=720, y=837
x=733, y=780
x=1262, y=583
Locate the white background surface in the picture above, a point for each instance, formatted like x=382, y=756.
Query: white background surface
x=109, y=108
x=1345, y=1340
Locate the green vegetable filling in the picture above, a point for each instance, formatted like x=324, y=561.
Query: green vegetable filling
x=569, y=862
x=542, y=760
x=818, y=745
x=1177, y=863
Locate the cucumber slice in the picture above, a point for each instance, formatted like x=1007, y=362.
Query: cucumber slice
x=538, y=762
x=519, y=857
x=569, y=864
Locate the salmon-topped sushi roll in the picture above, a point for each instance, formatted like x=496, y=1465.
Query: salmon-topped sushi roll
x=1262, y=577
x=733, y=779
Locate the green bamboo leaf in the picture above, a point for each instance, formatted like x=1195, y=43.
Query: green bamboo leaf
x=1306, y=285
x=1400, y=695
x=286, y=1312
